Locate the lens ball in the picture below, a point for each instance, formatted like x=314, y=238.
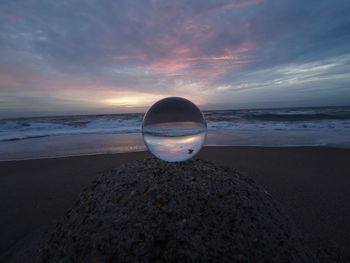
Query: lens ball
x=174, y=129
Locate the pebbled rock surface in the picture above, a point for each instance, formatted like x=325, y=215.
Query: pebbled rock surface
x=152, y=211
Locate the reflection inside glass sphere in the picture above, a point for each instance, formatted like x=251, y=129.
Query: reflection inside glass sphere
x=174, y=129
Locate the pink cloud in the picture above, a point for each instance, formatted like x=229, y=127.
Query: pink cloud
x=25, y=79
x=7, y=80
x=237, y=55
x=182, y=62
x=169, y=65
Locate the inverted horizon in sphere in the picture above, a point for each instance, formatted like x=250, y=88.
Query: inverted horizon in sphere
x=174, y=129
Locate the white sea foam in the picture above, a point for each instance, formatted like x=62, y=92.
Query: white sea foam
x=11, y=130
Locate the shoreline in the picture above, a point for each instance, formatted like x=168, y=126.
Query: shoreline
x=310, y=183
x=205, y=146
x=92, y=144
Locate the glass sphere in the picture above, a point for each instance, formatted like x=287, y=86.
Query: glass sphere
x=174, y=129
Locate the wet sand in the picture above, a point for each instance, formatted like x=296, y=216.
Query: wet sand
x=310, y=183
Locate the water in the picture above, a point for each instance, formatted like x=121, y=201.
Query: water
x=39, y=127
x=175, y=149
x=74, y=135
x=174, y=129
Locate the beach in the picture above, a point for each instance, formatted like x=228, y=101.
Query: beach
x=174, y=131
x=310, y=184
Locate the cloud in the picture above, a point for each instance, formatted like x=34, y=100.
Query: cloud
x=165, y=47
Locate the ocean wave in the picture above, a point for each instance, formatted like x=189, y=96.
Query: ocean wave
x=296, y=117
x=21, y=129
x=174, y=130
x=281, y=115
x=228, y=120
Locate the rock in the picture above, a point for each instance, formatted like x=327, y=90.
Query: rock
x=152, y=211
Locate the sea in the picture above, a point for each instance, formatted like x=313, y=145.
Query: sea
x=59, y=136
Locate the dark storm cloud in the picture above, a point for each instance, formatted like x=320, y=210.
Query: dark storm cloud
x=208, y=49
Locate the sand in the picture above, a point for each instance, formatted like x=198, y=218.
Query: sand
x=310, y=183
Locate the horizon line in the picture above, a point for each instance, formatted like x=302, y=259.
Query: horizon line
x=127, y=113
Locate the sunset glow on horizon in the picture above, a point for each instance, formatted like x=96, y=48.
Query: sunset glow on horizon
x=78, y=57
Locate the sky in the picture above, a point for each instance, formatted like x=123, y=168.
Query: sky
x=99, y=56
